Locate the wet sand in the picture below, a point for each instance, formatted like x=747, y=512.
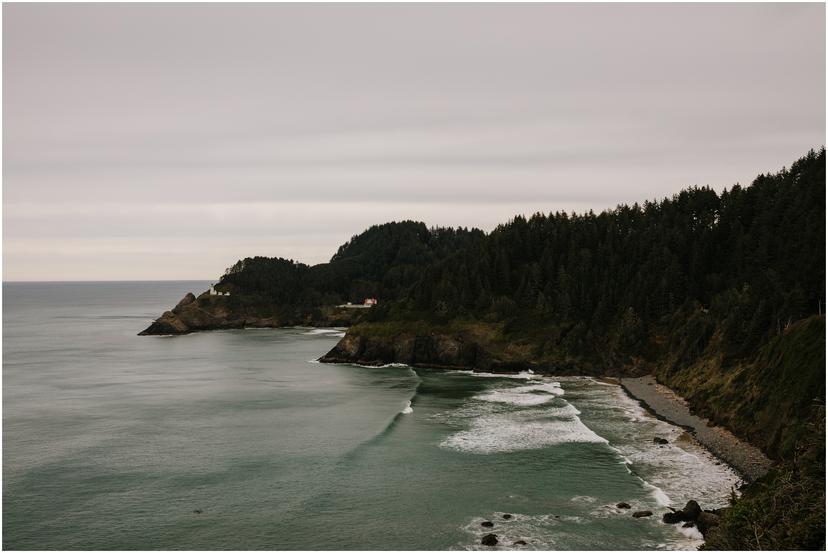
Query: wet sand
x=665, y=404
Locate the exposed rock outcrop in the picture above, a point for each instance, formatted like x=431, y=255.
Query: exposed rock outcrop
x=489, y=539
x=435, y=350
x=208, y=312
x=442, y=350
x=693, y=515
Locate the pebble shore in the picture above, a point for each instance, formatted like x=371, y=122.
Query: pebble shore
x=665, y=404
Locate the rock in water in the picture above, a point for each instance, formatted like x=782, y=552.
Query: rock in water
x=673, y=518
x=487, y=524
x=691, y=510
x=507, y=516
x=623, y=505
x=689, y=525
x=519, y=542
x=706, y=521
x=658, y=440
x=640, y=514
x=489, y=539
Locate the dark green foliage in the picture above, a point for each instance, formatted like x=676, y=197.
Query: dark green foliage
x=748, y=262
x=719, y=294
x=785, y=510
x=754, y=257
x=385, y=261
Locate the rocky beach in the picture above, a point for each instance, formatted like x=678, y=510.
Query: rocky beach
x=665, y=404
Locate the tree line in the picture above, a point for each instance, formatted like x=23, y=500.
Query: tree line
x=752, y=257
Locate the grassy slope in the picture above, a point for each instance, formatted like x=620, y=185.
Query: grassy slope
x=767, y=399
x=785, y=510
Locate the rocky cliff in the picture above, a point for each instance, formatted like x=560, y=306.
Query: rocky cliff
x=207, y=312
x=474, y=346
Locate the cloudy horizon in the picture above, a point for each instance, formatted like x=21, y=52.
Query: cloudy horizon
x=166, y=141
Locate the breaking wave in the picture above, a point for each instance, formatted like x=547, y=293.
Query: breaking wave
x=499, y=420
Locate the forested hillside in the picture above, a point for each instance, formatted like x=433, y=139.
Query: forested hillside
x=721, y=296
x=610, y=288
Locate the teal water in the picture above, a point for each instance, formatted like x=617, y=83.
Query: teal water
x=114, y=441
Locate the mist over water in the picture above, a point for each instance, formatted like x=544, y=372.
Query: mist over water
x=237, y=440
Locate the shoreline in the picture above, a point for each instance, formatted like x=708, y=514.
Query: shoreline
x=660, y=401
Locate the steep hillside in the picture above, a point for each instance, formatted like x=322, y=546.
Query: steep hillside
x=719, y=295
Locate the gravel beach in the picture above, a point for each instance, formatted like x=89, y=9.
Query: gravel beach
x=667, y=405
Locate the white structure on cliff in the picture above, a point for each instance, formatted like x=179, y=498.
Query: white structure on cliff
x=369, y=302
x=214, y=292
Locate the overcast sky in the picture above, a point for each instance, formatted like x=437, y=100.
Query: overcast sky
x=153, y=141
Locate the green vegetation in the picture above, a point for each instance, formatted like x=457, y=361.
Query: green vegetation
x=785, y=510
x=635, y=282
x=765, y=397
x=720, y=295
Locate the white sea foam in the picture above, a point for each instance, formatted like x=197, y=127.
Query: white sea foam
x=520, y=431
x=692, y=533
x=553, y=388
x=497, y=420
x=408, y=409
x=514, y=398
x=673, y=473
x=385, y=366
x=319, y=331
x=503, y=436
x=511, y=417
x=532, y=394
x=522, y=375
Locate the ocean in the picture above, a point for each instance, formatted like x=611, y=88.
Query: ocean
x=241, y=440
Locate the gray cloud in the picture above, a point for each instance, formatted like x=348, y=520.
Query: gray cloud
x=166, y=140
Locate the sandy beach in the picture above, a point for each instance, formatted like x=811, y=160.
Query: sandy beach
x=660, y=400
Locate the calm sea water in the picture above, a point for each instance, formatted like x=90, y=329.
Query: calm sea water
x=238, y=440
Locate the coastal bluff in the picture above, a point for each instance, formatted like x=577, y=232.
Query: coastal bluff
x=218, y=312
x=476, y=347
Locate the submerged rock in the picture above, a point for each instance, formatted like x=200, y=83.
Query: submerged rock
x=640, y=514
x=623, y=505
x=658, y=440
x=487, y=524
x=673, y=517
x=519, y=542
x=197, y=511
x=507, y=516
x=489, y=539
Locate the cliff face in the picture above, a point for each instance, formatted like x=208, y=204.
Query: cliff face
x=439, y=351
x=207, y=312
x=765, y=398
x=473, y=346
